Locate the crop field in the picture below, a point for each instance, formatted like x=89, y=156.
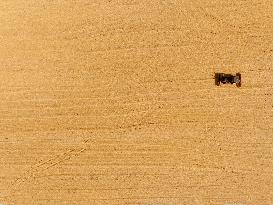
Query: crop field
x=114, y=102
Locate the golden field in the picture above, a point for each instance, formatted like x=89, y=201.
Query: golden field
x=113, y=102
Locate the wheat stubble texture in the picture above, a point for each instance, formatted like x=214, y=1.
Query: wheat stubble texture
x=113, y=102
